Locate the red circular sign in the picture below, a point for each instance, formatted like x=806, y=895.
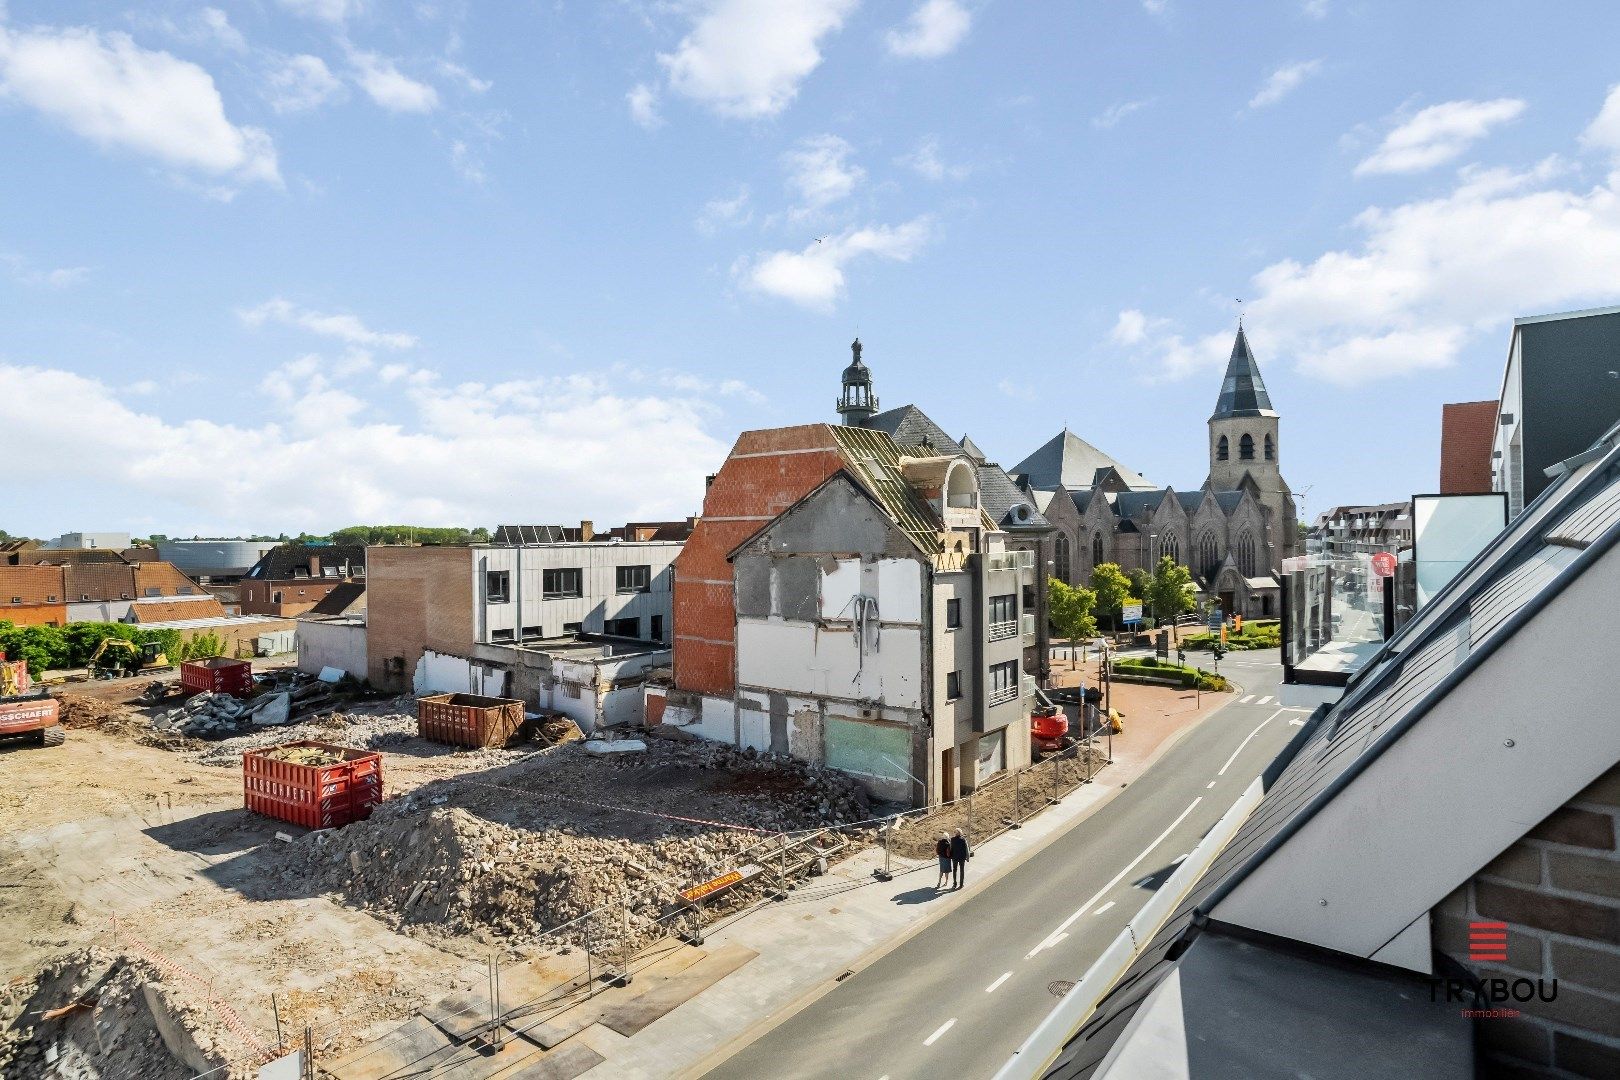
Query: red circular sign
x=1383, y=564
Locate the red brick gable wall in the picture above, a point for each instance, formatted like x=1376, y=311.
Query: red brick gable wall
x=1467, y=430
x=766, y=472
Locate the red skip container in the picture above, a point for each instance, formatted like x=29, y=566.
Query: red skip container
x=314, y=796
x=217, y=675
x=468, y=719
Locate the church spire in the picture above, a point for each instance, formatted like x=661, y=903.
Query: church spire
x=1243, y=392
x=857, y=404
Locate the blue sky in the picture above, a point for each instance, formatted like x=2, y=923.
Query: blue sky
x=294, y=264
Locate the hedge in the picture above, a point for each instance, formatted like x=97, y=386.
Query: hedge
x=1266, y=635
x=53, y=648
x=1187, y=677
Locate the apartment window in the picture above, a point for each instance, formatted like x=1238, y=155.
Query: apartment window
x=300, y=572
x=555, y=584
x=657, y=632
x=329, y=571
x=1003, y=616
x=953, y=614
x=1003, y=685
x=632, y=578
x=953, y=685
x=622, y=627
x=497, y=586
x=532, y=632
x=572, y=627
x=275, y=598
x=501, y=635
x=184, y=590
x=154, y=592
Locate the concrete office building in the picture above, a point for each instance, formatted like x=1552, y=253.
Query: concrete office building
x=100, y=541
x=1560, y=391
x=568, y=627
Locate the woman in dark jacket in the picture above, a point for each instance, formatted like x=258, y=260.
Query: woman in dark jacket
x=942, y=850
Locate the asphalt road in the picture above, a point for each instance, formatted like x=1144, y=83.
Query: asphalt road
x=959, y=997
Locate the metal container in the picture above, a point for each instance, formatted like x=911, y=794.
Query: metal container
x=314, y=796
x=468, y=719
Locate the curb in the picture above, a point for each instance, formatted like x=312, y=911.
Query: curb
x=766, y=1024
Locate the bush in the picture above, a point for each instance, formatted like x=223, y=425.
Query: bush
x=56, y=647
x=1187, y=677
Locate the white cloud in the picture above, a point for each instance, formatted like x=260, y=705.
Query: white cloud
x=1438, y=134
x=467, y=163
x=301, y=82
x=60, y=278
x=347, y=328
x=820, y=172
x=643, y=102
x=456, y=72
x=1603, y=133
x=217, y=25
x=935, y=28
x=746, y=58
x=1016, y=391
x=725, y=213
x=1314, y=9
x=927, y=163
x=332, y=11
x=1116, y=112
x=1155, y=7
x=814, y=277
x=1426, y=279
x=1284, y=81
x=327, y=458
x=115, y=93
x=389, y=87
x=1130, y=328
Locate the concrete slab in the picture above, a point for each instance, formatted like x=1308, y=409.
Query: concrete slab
x=564, y=1063
x=564, y=1025
x=458, y=1015
x=658, y=1001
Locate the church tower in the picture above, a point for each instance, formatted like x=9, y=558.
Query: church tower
x=1244, y=451
x=857, y=404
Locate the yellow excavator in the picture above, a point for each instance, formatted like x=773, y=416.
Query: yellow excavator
x=127, y=658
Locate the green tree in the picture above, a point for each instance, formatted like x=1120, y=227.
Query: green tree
x=1070, y=609
x=1113, y=591
x=1168, y=590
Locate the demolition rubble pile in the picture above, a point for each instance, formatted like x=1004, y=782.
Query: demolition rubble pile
x=284, y=697
x=96, y=1015
x=547, y=840
x=358, y=731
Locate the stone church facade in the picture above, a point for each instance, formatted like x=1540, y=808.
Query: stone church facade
x=1233, y=531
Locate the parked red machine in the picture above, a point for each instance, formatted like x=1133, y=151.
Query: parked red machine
x=1048, y=729
x=27, y=712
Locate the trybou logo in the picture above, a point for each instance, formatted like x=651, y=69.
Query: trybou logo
x=1487, y=944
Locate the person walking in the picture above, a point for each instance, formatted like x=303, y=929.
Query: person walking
x=942, y=849
x=959, y=858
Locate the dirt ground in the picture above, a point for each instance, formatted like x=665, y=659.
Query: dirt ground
x=146, y=851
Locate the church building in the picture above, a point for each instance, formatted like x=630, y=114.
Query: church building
x=1233, y=531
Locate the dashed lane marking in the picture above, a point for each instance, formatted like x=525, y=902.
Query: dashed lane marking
x=992, y=987
x=1053, y=939
x=1209, y=785
x=942, y=1029
x=1245, y=742
x=1265, y=700
x=1104, y=908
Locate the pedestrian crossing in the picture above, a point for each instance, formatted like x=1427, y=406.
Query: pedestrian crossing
x=1250, y=699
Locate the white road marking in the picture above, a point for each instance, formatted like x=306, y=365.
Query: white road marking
x=942, y=1029
x=1210, y=785
x=992, y=987
x=1180, y=858
x=1104, y=908
x=1296, y=723
x=1245, y=699
x=1245, y=742
x=1117, y=878
x=1265, y=700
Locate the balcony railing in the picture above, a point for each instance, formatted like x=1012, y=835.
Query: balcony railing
x=1028, y=627
x=1010, y=560
x=999, y=630
x=1002, y=696
x=1026, y=686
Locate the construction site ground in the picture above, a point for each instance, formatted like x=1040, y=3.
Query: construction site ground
x=145, y=852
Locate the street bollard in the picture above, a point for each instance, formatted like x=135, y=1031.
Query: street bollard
x=887, y=828
x=1018, y=802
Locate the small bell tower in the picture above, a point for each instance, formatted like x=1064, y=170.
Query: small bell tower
x=857, y=404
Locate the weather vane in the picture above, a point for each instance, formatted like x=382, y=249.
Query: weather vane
x=1240, y=312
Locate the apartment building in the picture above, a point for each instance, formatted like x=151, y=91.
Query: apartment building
x=289, y=579
x=847, y=600
x=1365, y=530
x=568, y=626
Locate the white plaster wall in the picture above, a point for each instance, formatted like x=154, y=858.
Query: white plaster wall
x=753, y=729
x=99, y=611
x=601, y=599
x=838, y=587
x=331, y=644
x=623, y=706
x=899, y=590
x=717, y=720
x=800, y=657
x=437, y=673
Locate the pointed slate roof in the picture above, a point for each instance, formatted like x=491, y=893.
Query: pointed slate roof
x=1243, y=392
x=1069, y=460
x=999, y=497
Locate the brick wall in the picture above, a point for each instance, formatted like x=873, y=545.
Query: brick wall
x=1467, y=430
x=417, y=598
x=1558, y=889
x=766, y=472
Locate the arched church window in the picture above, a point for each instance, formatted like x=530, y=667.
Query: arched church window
x=1096, y=549
x=1243, y=553
x=1222, y=452
x=1246, y=448
x=1169, y=545
x=1271, y=449
x=1060, y=557
x=1209, y=555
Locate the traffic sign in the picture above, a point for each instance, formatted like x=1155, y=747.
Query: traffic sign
x=1383, y=564
x=1133, y=613
x=1215, y=619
